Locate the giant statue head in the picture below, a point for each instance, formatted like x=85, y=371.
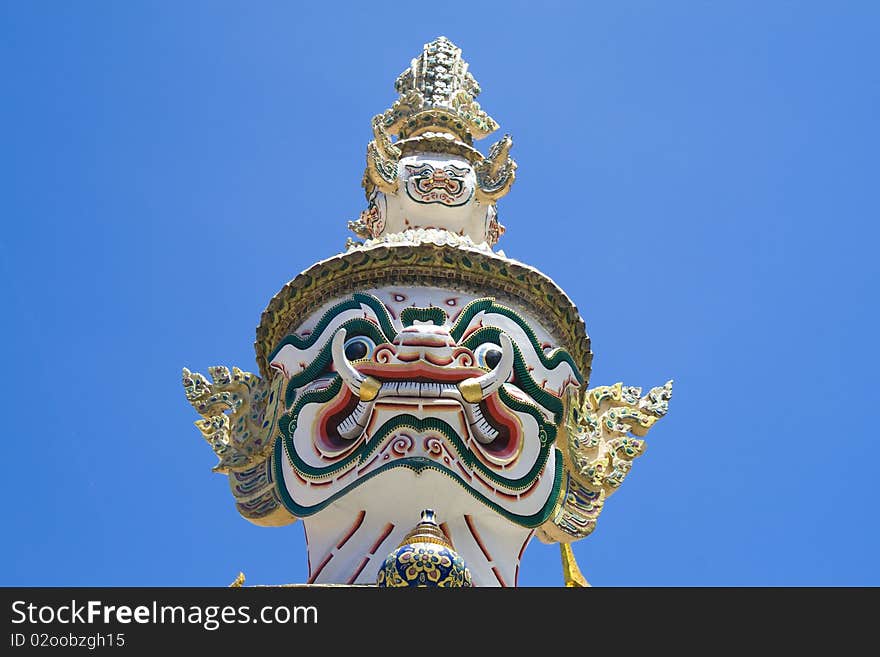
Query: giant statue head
x=421, y=369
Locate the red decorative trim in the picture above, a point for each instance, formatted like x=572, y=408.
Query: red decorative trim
x=358, y=571
x=463, y=471
x=369, y=463
x=521, y=495
x=519, y=557
x=483, y=481
x=476, y=536
x=317, y=572
x=499, y=577
x=471, y=329
x=421, y=371
x=388, y=529
x=513, y=498
x=308, y=553
x=357, y=524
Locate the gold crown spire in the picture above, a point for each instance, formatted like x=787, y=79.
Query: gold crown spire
x=437, y=94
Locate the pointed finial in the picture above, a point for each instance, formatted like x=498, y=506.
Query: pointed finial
x=437, y=94
x=427, y=531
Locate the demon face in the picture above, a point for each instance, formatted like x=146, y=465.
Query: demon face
x=422, y=379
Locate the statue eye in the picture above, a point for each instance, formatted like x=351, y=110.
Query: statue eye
x=359, y=347
x=488, y=355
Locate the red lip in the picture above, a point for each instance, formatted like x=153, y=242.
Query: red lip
x=421, y=372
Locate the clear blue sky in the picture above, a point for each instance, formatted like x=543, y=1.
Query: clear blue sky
x=700, y=178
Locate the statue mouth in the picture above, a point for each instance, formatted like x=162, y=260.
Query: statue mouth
x=369, y=384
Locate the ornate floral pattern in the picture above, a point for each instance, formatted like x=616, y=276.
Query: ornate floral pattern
x=424, y=565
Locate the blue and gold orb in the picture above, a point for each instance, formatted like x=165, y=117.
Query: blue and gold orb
x=425, y=558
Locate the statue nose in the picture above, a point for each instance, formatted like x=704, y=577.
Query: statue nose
x=419, y=340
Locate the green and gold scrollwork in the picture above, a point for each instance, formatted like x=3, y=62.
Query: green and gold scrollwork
x=598, y=451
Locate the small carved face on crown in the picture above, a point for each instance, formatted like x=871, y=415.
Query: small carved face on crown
x=437, y=190
x=440, y=182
